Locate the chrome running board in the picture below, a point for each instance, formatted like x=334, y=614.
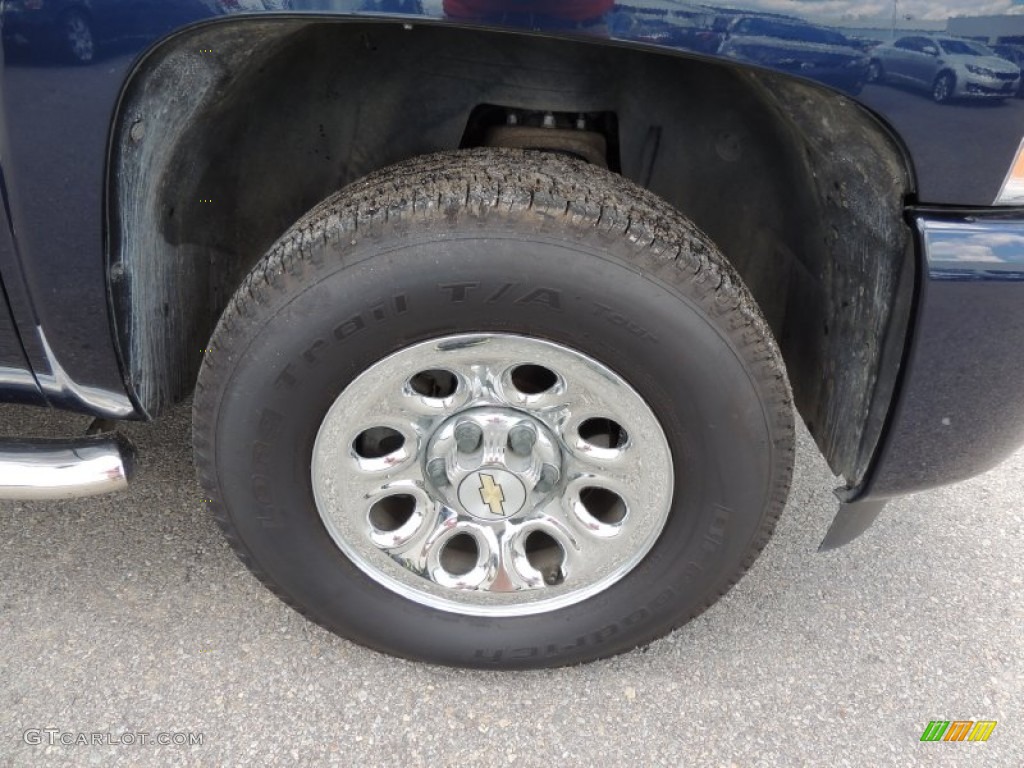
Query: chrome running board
x=41, y=468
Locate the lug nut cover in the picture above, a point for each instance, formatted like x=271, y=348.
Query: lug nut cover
x=468, y=437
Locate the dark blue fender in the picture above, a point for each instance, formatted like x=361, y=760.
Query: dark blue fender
x=957, y=410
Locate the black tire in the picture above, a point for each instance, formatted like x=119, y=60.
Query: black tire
x=943, y=88
x=596, y=264
x=75, y=41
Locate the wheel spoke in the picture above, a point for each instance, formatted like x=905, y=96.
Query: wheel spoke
x=623, y=474
x=409, y=543
x=513, y=573
x=362, y=487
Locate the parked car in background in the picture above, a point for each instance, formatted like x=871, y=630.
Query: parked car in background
x=949, y=68
x=796, y=46
x=693, y=29
x=1014, y=54
x=70, y=27
x=75, y=31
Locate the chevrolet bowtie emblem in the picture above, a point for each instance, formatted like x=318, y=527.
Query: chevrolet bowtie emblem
x=492, y=494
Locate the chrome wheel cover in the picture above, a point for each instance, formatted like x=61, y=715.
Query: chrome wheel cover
x=492, y=475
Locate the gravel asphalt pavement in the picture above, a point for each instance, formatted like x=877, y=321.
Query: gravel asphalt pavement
x=128, y=614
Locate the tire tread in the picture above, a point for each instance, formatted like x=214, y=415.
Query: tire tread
x=549, y=191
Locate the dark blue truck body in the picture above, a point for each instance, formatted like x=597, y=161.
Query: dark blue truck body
x=953, y=408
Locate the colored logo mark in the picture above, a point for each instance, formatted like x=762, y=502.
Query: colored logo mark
x=492, y=494
x=958, y=730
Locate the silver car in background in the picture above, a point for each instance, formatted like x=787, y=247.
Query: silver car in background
x=948, y=67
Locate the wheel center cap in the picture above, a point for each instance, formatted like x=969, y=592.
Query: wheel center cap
x=492, y=462
x=492, y=493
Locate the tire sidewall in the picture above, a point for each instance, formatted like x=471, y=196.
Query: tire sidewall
x=582, y=291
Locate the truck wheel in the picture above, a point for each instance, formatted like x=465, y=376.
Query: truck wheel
x=495, y=408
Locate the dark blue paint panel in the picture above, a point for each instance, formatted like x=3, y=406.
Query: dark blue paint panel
x=17, y=382
x=961, y=409
x=59, y=95
x=56, y=123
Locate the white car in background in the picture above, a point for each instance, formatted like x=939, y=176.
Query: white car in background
x=948, y=67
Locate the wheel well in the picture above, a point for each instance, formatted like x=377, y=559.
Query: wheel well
x=228, y=133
